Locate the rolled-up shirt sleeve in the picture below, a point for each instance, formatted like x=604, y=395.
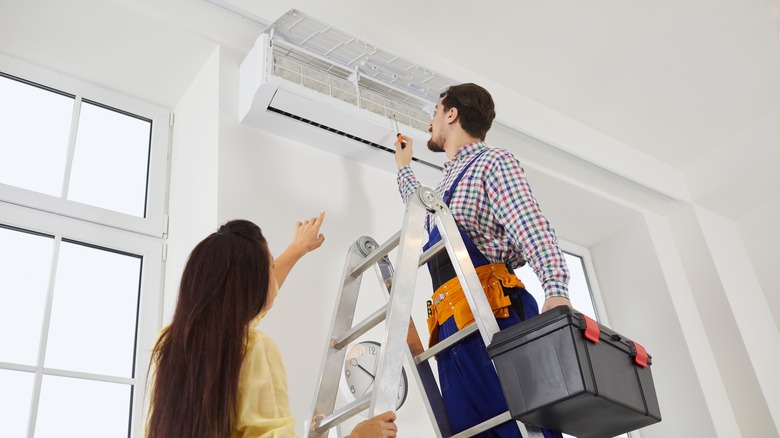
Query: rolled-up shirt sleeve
x=407, y=183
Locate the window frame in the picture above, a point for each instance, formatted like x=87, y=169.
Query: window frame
x=590, y=277
x=149, y=319
x=154, y=224
x=64, y=219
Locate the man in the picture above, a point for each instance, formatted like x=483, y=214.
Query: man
x=502, y=226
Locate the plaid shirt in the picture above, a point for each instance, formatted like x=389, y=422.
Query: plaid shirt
x=494, y=206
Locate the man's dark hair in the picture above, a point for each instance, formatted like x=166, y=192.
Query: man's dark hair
x=475, y=108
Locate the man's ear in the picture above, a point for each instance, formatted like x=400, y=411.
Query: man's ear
x=452, y=115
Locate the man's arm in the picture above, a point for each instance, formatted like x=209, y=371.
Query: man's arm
x=407, y=182
x=514, y=205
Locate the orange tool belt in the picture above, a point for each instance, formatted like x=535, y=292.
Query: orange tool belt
x=449, y=300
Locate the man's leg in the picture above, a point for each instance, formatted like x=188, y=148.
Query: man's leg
x=470, y=386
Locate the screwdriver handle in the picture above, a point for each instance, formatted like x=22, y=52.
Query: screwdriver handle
x=399, y=136
x=401, y=140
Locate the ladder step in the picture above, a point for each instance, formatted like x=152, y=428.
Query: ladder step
x=485, y=425
x=429, y=353
x=388, y=246
x=342, y=414
x=430, y=252
x=376, y=255
x=361, y=328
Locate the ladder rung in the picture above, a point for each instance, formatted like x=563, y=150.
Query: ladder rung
x=376, y=255
x=429, y=353
x=485, y=425
x=361, y=328
x=343, y=414
x=430, y=252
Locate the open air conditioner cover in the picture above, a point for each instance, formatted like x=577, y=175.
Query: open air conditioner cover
x=313, y=83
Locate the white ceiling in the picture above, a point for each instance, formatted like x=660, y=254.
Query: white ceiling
x=688, y=89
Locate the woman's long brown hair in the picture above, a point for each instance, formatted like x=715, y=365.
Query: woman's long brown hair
x=198, y=358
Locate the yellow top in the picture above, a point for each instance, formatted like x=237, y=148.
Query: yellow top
x=262, y=404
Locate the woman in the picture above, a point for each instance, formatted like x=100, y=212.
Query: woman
x=215, y=376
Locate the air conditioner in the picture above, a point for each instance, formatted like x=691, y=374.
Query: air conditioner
x=315, y=84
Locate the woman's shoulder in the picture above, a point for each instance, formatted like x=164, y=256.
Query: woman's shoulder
x=260, y=343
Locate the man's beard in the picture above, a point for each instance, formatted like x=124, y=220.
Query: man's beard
x=435, y=146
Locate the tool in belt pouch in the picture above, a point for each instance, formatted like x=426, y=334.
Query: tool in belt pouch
x=449, y=300
x=563, y=371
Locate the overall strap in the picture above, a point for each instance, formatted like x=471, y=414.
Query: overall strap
x=448, y=192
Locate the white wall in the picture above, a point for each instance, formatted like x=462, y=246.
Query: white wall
x=656, y=271
x=637, y=299
x=762, y=241
x=733, y=313
x=275, y=182
x=192, y=207
x=699, y=290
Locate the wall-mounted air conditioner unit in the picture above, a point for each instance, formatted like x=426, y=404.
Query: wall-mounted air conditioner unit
x=310, y=82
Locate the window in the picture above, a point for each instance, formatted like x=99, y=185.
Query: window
x=33, y=158
x=91, y=154
x=580, y=292
x=82, y=189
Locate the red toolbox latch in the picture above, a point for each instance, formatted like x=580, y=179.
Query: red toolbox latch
x=592, y=331
x=641, y=355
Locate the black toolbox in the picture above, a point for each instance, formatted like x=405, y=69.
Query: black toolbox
x=563, y=371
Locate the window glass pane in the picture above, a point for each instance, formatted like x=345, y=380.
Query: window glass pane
x=110, y=162
x=93, y=318
x=579, y=291
x=82, y=408
x=15, y=400
x=34, y=131
x=25, y=265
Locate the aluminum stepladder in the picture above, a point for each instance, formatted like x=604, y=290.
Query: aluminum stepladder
x=400, y=337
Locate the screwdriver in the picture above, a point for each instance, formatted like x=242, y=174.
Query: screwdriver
x=399, y=136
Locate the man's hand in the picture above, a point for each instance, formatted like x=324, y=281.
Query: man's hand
x=553, y=302
x=403, y=156
x=383, y=425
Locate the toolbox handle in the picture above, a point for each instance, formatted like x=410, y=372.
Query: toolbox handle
x=640, y=354
x=592, y=331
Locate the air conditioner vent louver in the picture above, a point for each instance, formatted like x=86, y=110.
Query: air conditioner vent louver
x=343, y=134
x=304, y=78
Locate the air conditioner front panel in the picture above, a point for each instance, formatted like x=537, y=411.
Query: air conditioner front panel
x=322, y=111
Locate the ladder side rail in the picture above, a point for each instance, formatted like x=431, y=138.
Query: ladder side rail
x=422, y=372
x=469, y=281
x=388, y=374
x=333, y=358
x=426, y=382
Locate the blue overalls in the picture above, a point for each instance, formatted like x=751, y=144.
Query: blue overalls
x=468, y=380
